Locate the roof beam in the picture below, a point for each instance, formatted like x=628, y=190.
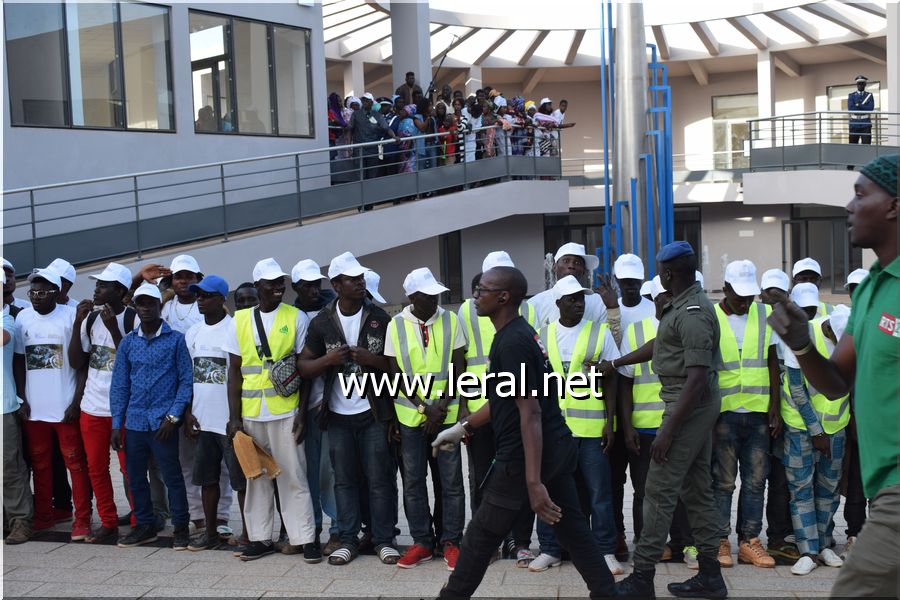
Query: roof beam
x=334, y=8
x=869, y=7
x=699, y=71
x=461, y=39
x=832, y=14
x=531, y=80
x=706, y=36
x=750, y=31
x=497, y=43
x=538, y=40
x=573, y=48
x=786, y=64
x=867, y=51
x=346, y=51
x=661, y=44
x=795, y=24
x=433, y=33
x=366, y=23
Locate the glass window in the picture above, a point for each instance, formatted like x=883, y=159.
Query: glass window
x=292, y=80
x=145, y=43
x=94, y=73
x=210, y=73
x=36, y=68
x=251, y=70
x=730, y=129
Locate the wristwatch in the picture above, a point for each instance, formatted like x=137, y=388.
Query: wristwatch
x=420, y=409
x=172, y=419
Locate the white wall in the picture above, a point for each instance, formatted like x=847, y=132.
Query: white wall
x=832, y=188
x=521, y=236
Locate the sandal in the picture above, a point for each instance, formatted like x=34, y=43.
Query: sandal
x=388, y=554
x=342, y=556
x=523, y=558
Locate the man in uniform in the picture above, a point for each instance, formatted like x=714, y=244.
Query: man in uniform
x=860, y=100
x=686, y=357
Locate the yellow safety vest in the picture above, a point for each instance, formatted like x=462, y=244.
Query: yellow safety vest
x=480, y=333
x=434, y=361
x=586, y=418
x=647, y=408
x=834, y=415
x=255, y=369
x=744, y=378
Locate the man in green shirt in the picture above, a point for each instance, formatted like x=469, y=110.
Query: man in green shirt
x=867, y=356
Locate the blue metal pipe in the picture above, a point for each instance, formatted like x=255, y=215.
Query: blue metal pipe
x=651, y=237
x=634, y=231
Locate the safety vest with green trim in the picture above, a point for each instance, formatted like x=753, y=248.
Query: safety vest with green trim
x=825, y=309
x=586, y=418
x=744, y=377
x=480, y=333
x=647, y=408
x=431, y=361
x=834, y=415
x=255, y=369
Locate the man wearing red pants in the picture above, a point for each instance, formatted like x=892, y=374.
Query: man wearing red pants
x=46, y=382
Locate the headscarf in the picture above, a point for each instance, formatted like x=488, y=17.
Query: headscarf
x=410, y=109
x=883, y=172
x=334, y=106
x=351, y=99
x=529, y=105
x=517, y=103
x=498, y=102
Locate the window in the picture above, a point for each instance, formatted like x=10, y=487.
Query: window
x=837, y=130
x=730, y=129
x=250, y=77
x=101, y=65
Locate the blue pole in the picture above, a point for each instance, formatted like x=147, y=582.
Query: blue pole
x=619, y=204
x=634, y=232
x=612, y=72
x=651, y=245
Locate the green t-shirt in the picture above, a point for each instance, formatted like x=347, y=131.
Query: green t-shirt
x=875, y=326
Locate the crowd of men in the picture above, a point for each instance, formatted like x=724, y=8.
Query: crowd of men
x=693, y=394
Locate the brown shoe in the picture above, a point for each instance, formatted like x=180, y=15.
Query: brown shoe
x=334, y=542
x=20, y=533
x=725, y=558
x=667, y=554
x=752, y=552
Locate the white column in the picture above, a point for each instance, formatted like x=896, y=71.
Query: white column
x=473, y=80
x=765, y=90
x=354, y=78
x=893, y=73
x=410, y=42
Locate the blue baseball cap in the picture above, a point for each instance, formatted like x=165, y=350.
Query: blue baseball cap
x=673, y=250
x=211, y=284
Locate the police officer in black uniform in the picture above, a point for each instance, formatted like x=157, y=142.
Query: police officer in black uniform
x=860, y=124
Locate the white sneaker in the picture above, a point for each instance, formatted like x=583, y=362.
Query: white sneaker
x=544, y=562
x=804, y=566
x=615, y=567
x=848, y=546
x=830, y=559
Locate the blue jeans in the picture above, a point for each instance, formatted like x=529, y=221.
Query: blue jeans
x=354, y=442
x=741, y=441
x=594, y=480
x=415, y=445
x=319, y=473
x=139, y=447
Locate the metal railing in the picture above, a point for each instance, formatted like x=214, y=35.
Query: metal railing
x=722, y=166
x=97, y=219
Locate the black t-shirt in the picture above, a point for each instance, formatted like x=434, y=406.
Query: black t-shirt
x=514, y=346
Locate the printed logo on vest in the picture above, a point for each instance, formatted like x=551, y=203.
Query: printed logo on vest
x=888, y=324
x=284, y=329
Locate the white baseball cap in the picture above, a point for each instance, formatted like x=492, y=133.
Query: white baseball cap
x=805, y=295
x=545, y=101
x=806, y=264
x=8, y=265
x=647, y=288
x=114, y=272
x=184, y=262
x=63, y=268
x=268, y=269
x=856, y=276
x=741, y=276
x=372, y=280
x=628, y=266
x=569, y=285
x=369, y=96
x=48, y=274
x=306, y=270
x=775, y=278
x=147, y=289
x=422, y=280
x=497, y=258
x=838, y=319
x=591, y=262
x=345, y=264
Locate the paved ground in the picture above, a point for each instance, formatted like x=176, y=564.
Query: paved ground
x=58, y=569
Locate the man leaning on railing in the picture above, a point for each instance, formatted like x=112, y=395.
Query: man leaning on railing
x=860, y=122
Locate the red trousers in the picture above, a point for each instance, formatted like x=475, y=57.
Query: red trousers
x=95, y=431
x=40, y=446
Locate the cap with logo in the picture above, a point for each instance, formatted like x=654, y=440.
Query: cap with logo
x=546, y=100
x=184, y=262
x=628, y=266
x=369, y=96
x=591, y=261
x=306, y=270
x=268, y=269
x=806, y=264
x=345, y=264
x=775, y=278
x=422, y=280
x=47, y=275
x=211, y=284
x=114, y=272
x=147, y=289
x=497, y=258
x=372, y=280
x=741, y=276
x=805, y=295
x=856, y=277
x=63, y=268
x=569, y=285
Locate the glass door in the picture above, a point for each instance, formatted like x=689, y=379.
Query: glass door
x=212, y=96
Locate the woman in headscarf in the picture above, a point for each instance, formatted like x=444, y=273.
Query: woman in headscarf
x=517, y=115
x=408, y=129
x=336, y=121
x=547, y=126
x=351, y=103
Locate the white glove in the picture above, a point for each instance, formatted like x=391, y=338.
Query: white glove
x=448, y=439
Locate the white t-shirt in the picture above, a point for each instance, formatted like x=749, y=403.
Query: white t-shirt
x=339, y=403
x=459, y=340
x=738, y=324
x=634, y=314
x=625, y=348
x=546, y=310
x=317, y=391
x=206, y=344
x=566, y=337
x=181, y=317
x=49, y=380
x=95, y=400
x=232, y=346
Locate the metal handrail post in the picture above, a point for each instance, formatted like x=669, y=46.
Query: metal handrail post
x=297, y=176
x=224, y=203
x=34, y=261
x=137, y=215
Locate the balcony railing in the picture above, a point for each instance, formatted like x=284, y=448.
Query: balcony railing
x=725, y=166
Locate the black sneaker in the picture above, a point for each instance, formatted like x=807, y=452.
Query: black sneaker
x=181, y=538
x=637, y=585
x=312, y=553
x=256, y=550
x=141, y=534
x=203, y=541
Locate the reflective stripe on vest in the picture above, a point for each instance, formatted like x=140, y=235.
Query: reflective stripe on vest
x=825, y=309
x=744, y=377
x=425, y=362
x=256, y=384
x=586, y=418
x=647, y=408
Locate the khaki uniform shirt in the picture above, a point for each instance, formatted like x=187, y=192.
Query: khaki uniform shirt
x=688, y=336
